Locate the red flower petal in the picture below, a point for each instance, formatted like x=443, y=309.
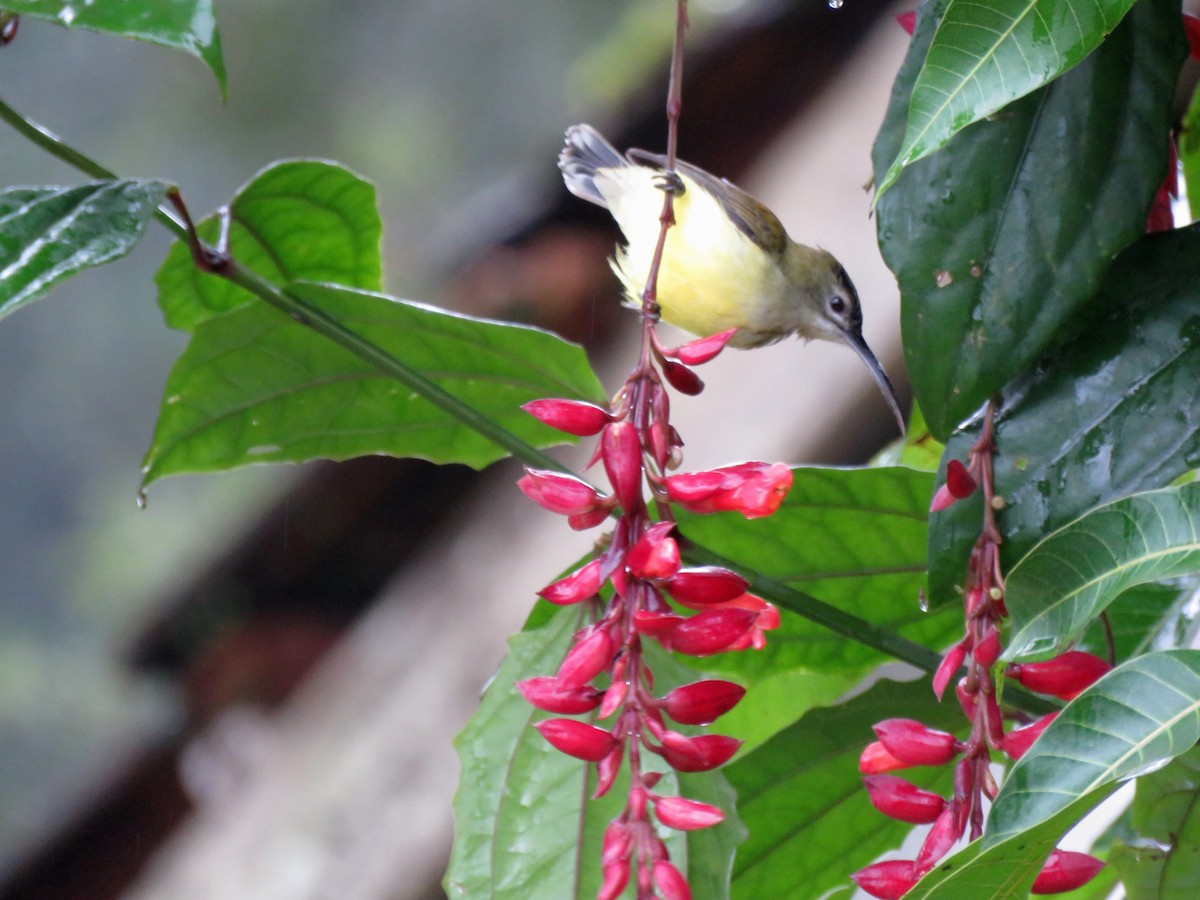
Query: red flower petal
x=1064, y=871
x=702, y=702
x=577, y=739
x=916, y=744
x=887, y=880
x=686, y=815
x=570, y=416
x=902, y=800
x=1066, y=676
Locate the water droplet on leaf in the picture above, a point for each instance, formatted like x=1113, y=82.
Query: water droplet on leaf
x=943, y=278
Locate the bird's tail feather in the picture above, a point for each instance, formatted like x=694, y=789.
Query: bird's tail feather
x=584, y=153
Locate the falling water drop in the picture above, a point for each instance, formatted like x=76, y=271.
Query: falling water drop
x=835, y=4
x=141, y=499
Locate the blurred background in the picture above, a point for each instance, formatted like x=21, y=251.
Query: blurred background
x=131, y=684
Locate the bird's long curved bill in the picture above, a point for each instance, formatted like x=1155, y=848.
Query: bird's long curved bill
x=885, y=386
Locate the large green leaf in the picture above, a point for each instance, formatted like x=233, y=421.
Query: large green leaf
x=299, y=220
x=985, y=55
x=1114, y=412
x=1189, y=153
x=802, y=798
x=1142, y=713
x=1000, y=240
x=47, y=234
x=187, y=25
x=1165, y=862
x=255, y=386
x=1075, y=573
x=523, y=828
x=853, y=539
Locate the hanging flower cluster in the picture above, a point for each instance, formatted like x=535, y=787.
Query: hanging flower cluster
x=905, y=743
x=697, y=611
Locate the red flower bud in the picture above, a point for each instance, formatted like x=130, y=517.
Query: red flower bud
x=1017, y=743
x=703, y=586
x=655, y=555
x=946, y=830
x=577, y=739
x=560, y=493
x=887, y=880
x=670, y=882
x=622, y=453
x=1066, y=676
x=615, y=877
x=987, y=651
x=754, y=489
x=1191, y=28
x=572, y=416
x=710, y=631
x=682, y=378
x=875, y=760
x=968, y=702
x=701, y=350
x=617, y=842
x=697, y=754
x=582, y=584
x=916, y=744
x=701, y=702
x=686, y=815
x=960, y=482
x=903, y=800
x=607, y=770
x=1064, y=871
x=588, y=658
x=907, y=20
x=591, y=518
x=545, y=693
x=656, y=625
x=948, y=667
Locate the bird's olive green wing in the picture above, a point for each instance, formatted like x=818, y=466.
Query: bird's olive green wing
x=751, y=218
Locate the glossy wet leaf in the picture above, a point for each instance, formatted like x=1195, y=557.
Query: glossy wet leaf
x=1001, y=241
x=187, y=25
x=1113, y=412
x=299, y=220
x=802, y=798
x=1076, y=572
x=1144, y=712
x=1164, y=861
x=852, y=538
x=48, y=234
x=255, y=386
x=985, y=55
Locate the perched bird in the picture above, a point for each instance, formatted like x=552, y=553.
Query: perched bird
x=728, y=263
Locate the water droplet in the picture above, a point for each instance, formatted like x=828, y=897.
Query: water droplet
x=140, y=499
x=942, y=279
x=976, y=271
x=67, y=15
x=835, y=4
x=922, y=600
x=1189, y=332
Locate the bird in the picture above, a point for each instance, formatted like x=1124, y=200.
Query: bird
x=728, y=261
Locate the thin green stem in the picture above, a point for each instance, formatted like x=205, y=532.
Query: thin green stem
x=302, y=312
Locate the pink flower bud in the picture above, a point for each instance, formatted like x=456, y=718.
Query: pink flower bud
x=686, y=815
x=1064, y=871
x=916, y=744
x=697, y=754
x=589, y=519
x=607, y=770
x=582, y=584
x=946, y=830
x=615, y=877
x=987, y=651
x=701, y=702
x=968, y=702
x=1066, y=676
x=571, y=416
x=559, y=493
x=875, y=760
x=703, y=586
x=701, y=350
x=948, y=667
x=959, y=484
x=617, y=842
x=907, y=20
x=655, y=555
x=682, y=378
x=577, y=739
x=710, y=631
x=656, y=625
x=670, y=882
x=613, y=698
x=754, y=489
x=588, y=658
x=887, y=880
x=544, y=693
x=903, y=800
x=622, y=453
x=1017, y=743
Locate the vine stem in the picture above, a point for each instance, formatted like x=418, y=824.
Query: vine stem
x=280, y=298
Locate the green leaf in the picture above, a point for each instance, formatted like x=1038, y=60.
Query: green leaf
x=299, y=220
x=187, y=25
x=1142, y=618
x=1001, y=240
x=801, y=795
x=255, y=386
x=986, y=55
x=852, y=538
x=1165, y=861
x=1075, y=573
x=1123, y=402
x=1142, y=713
x=49, y=234
x=523, y=828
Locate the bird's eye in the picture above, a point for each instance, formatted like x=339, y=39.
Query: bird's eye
x=837, y=305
